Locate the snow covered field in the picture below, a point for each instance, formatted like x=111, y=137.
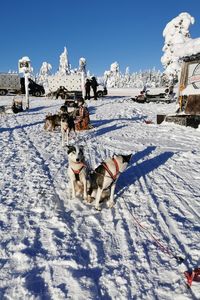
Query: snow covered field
x=52, y=247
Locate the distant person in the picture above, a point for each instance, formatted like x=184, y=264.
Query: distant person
x=94, y=86
x=61, y=92
x=87, y=89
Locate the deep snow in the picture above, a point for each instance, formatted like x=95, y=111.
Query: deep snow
x=53, y=247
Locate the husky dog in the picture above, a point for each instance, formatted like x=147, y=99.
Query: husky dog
x=103, y=179
x=67, y=125
x=77, y=172
x=52, y=121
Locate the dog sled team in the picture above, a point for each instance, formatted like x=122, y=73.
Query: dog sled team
x=91, y=185
x=97, y=185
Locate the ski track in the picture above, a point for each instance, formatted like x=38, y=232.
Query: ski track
x=53, y=247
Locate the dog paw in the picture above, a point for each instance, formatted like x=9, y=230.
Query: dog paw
x=98, y=208
x=110, y=204
x=90, y=199
x=85, y=199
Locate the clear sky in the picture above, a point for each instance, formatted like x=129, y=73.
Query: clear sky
x=104, y=31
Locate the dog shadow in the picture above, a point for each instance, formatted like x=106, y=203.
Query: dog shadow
x=36, y=109
x=98, y=123
x=135, y=172
x=33, y=110
x=92, y=110
x=108, y=129
x=20, y=126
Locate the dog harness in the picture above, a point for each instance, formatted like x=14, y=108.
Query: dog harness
x=113, y=176
x=77, y=172
x=191, y=276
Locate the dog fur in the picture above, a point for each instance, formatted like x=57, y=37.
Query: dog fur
x=52, y=121
x=67, y=125
x=77, y=172
x=103, y=179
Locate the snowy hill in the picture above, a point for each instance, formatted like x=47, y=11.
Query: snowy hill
x=52, y=247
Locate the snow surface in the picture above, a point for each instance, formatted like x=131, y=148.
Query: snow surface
x=53, y=247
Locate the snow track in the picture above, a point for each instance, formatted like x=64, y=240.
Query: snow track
x=53, y=247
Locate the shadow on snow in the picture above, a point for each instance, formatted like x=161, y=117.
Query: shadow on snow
x=128, y=177
x=20, y=126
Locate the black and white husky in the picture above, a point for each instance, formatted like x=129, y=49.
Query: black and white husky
x=77, y=172
x=67, y=125
x=104, y=178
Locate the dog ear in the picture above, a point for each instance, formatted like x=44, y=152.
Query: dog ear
x=126, y=158
x=70, y=149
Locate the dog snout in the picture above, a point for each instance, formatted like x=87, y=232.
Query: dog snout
x=77, y=159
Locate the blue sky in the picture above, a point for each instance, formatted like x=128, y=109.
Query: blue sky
x=126, y=31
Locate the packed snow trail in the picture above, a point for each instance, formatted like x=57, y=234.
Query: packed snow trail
x=53, y=247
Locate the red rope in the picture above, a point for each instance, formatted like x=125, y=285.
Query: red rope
x=162, y=247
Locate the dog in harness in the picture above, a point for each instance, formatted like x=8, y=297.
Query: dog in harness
x=67, y=125
x=77, y=172
x=103, y=179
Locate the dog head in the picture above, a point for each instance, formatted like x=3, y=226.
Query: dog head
x=122, y=161
x=75, y=153
x=63, y=109
x=64, y=121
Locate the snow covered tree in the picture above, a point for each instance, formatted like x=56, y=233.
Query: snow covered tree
x=82, y=64
x=45, y=71
x=114, y=68
x=64, y=67
x=113, y=75
x=149, y=78
x=175, y=32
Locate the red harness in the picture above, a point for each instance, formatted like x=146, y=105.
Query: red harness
x=193, y=275
x=113, y=176
x=79, y=170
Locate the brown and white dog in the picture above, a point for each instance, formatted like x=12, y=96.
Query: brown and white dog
x=67, y=125
x=77, y=172
x=103, y=179
x=52, y=121
x=64, y=120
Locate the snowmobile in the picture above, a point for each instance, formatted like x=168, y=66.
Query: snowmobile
x=146, y=97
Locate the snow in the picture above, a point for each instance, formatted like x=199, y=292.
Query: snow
x=191, y=47
x=53, y=247
x=177, y=43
